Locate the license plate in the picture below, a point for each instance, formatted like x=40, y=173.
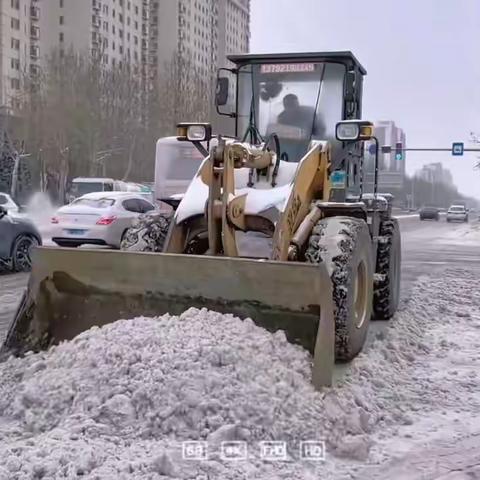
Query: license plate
x=75, y=232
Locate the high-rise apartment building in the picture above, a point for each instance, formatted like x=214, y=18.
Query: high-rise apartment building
x=116, y=29
x=234, y=28
x=205, y=31
x=19, y=47
x=435, y=173
x=392, y=171
x=144, y=32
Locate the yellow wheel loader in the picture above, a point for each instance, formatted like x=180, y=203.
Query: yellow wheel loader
x=275, y=225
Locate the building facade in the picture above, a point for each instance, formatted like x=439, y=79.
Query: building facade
x=391, y=171
x=19, y=52
x=205, y=31
x=148, y=33
x=435, y=173
x=115, y=30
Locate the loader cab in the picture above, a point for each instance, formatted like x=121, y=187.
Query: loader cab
x=297, y=97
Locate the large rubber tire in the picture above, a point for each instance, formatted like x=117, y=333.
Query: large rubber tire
x=386, y=294
x=21, y=253
x=344, y=245
x=147, y=234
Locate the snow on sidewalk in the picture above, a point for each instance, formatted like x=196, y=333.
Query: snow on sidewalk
x=118, y=402
x=441, y=437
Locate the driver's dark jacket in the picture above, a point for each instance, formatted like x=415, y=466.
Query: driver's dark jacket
x=301, y=117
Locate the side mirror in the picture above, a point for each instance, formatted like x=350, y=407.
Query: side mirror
x=354, y=130
x=3, y=211
x=221, y=92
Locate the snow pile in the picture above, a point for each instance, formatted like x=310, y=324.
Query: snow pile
x=138, y=387
x=439, y=392
x=117, y=402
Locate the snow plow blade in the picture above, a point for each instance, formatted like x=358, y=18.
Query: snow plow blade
x=71, y=291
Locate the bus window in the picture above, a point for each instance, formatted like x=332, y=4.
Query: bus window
x=184, y=161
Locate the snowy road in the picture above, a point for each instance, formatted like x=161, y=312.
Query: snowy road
x=429, y=247
x=408, y=407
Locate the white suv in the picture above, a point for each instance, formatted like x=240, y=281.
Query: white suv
x=457, y=213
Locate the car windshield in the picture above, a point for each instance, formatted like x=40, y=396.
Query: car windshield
x=457, y=209
x=94, y=202
x=298, y=102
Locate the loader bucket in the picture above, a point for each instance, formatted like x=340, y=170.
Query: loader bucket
x=72, y=290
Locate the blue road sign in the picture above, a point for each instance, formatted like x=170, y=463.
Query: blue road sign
x=372, y=149
x=457, y=149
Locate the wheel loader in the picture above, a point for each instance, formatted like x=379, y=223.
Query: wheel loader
x=274, y=226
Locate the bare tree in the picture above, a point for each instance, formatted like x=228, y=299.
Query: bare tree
x=185, y=92
x=83, y=117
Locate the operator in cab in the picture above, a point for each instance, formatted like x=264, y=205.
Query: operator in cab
x=302, y=125
x=296, y=115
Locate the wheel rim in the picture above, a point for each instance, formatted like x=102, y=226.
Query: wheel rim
x=360, y=295
x=22, y=253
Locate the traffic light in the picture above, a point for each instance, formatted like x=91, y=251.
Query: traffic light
x=399, y=151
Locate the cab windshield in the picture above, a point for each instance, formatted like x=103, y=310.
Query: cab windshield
x=298, y=102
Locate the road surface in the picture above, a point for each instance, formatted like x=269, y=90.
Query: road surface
x=429, y=247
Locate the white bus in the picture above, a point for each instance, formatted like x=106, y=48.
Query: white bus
x=83, y=185
x=176, y=163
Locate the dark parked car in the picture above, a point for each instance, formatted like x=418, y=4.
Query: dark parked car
x=430, y=213
x=17, y=238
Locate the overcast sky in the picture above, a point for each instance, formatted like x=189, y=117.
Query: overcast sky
x=422, y=59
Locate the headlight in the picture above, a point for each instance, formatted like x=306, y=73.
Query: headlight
x=196, y=133
x=353, y=130
x=348, y=132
